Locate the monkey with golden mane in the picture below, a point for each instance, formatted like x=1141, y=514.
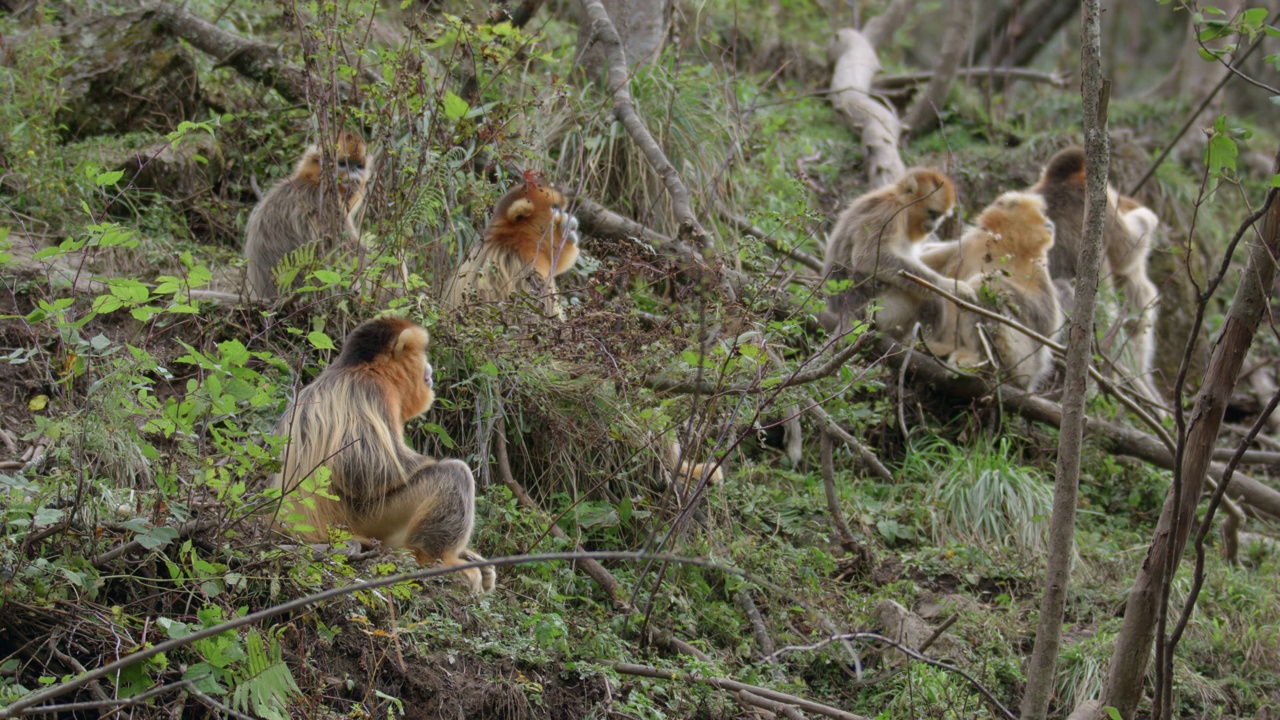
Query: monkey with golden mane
x=879, y=236
x=1128, y=232
x=1007, y=253
x=313, y=206
x=350, y=420
x=529, y=241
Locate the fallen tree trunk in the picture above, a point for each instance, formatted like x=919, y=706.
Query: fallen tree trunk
x=1111, y=437
x=255, y=60
x=856, y=66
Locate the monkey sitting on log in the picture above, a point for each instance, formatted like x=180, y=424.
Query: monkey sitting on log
x=348, y=424
x=877, y=237
x=1006, y=255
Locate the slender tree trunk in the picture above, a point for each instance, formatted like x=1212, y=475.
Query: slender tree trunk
x=1062, y=524
x=923, y=115
x=1124, y=684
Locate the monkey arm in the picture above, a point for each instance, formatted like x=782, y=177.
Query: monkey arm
x=920, y=270
x=939, y=256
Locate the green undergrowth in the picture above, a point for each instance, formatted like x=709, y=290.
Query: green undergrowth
x=136, y=414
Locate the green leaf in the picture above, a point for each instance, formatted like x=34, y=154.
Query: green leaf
x=1253, y=18
x=108, y=178
x=157, y=537
x=233, y=352
x=1113, y=713
x=455, y=108
x=1221, y=154
x=327, y=277
x=320, y=341
x=104, y=304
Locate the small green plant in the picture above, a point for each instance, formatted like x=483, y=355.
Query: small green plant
x=986, y=497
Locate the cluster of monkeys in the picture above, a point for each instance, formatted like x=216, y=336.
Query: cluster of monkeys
x=351, y=418
x=1022, y=249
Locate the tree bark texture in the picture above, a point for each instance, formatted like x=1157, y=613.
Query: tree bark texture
x=856, y=66
x=923, y=115
x=1021, y=33
x=880, y=29
x=1124, y=683
x=642, y=27
x=1042, y=670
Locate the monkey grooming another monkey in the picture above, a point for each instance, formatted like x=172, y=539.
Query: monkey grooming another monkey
x=313, y=206
x=529, y=241
x=1007, y=252
x=1128, y=232
x=350, y=420
x=879, y=235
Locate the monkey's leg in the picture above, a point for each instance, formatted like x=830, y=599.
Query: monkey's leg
x=1140, y=300
x=433, y=515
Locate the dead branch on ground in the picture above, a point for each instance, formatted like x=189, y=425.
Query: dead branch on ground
x=604, y=32
x=731, y=686
x=856, y=66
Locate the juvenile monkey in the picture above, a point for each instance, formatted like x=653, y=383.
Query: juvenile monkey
x=878, y=236
x=529, y=241
x=315, y=204
x=1128, y=232
x=351, y=420
x=1007, y=252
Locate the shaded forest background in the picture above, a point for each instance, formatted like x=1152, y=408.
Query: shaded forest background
x=886, y=561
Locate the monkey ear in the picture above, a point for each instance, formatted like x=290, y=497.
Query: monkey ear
x=910, y=185
x=407, y=336
x=520, y=210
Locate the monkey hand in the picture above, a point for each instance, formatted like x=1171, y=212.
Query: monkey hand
x=567, y=223
x=964, y=291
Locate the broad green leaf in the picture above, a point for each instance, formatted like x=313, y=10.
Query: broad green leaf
x=455, y=108
x=320, y=341
x=108, y=178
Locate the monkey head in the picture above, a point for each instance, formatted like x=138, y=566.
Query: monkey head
x=1064, y=168
x=394, y=351
x=532, y=220
x=1017, y=226
x=929, y=197
x=350, y=163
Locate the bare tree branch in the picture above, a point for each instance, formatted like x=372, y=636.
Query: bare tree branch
x=624, y=109
x=731, y=686
x=856, y=66
x=603, y=577
x=901, y=80
x=880, y=29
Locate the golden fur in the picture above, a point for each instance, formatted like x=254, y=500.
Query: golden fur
x=350, y=420
x=877, y=237
x=529, y=241
x=1007, y=254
